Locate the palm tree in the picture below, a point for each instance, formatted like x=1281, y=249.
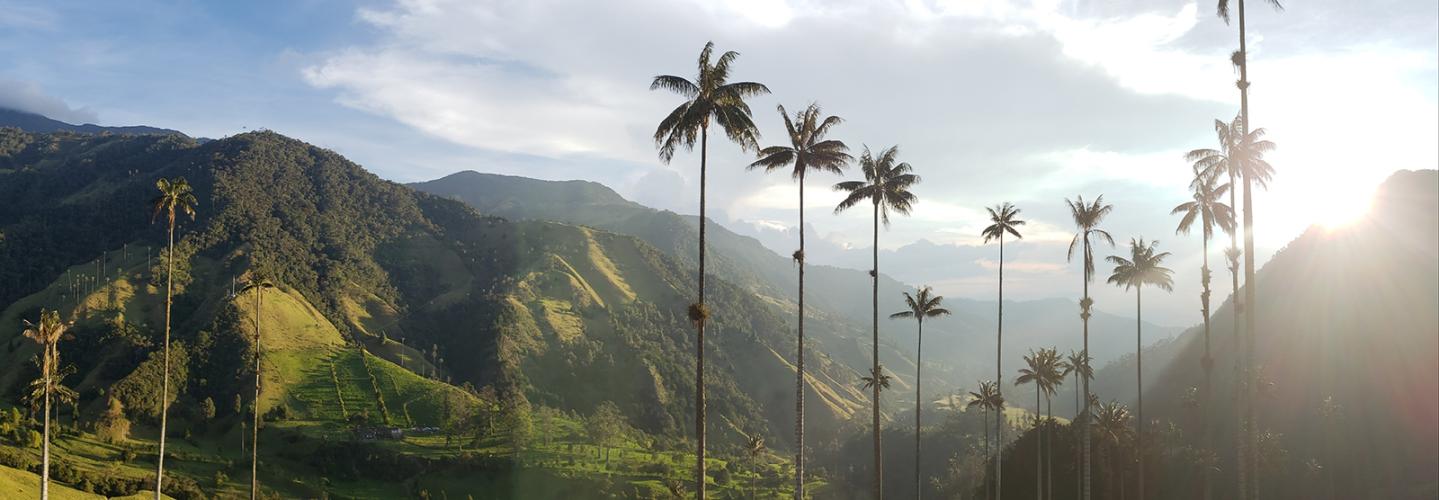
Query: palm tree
x=175, y=196
x=48, y=333
x=259, y=285
x=1112, y=424
x=754, y=446
x=886, y=185
x=1087, y=217
x=1004, y=218
x=1241, y=157
x=1143, y=267
x=1041, y=371
x=709, y=97
x=988, y=399
x=921, y=305
x=1053, y=378
x=1209, y=210
x=1078, y=365
x=808, y=150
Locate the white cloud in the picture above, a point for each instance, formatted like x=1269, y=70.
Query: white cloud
x=29, y=97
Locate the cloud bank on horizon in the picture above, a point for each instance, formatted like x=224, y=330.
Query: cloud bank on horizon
x=1025, y=101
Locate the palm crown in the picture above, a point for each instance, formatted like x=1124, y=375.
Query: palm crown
x=1043, y=370
x=1207, y=207
x=1004, y=219
x=988, y=397
x=1240, y=155
x=923, y=304
x=807, y=149
x=876, y=376
x=886, y=184
x=175, y=196
x=1087, y=217
x=1222, y=8
x=1077, y=363
x=709, y=97
x=1142, y=267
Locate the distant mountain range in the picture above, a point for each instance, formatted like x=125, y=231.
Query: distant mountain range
x=31, y=122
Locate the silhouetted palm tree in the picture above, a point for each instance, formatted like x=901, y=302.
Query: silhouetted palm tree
x=1041, y=370
x=258, y=285
x=754, y=446
x=1087, y=217
x=175, y=196
x=1112, y=425
x=1143, y=267
x=710, y=97
x=1004, y=218
x=886, y=186
x=921, y=305
x=808, y=150
x=1053, y=378
x=48, y=333
x=988, y=399
x=1208, y=209
x=1078, y=365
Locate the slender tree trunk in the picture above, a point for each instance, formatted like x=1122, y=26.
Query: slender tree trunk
x=918, y=405
x=1084, y=315
x=988, y=482
x=999, y=419
x=1049, y=448
x=255, y=407
x=47, y=369
x=1208, y=365
x=1249, y=295
x=1139, y=372
x=874, y=277
x=1078, y=453
x=165, y=378
x=799, y=356
x=700, y=329
x=1038, y=446
x=1241, y=456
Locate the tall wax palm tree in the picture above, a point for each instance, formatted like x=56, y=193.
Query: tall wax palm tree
x=1053, y=378
x=1241, y=157
x=1078, y=365
x=886, y=186
x=258, y=285
x=48, y=333
x=1208, y=209
x=1143, y=267
x=1112, y=425
x=923, y=304
x=1040, y=370
x=175, y=196
x=1087, y=217
x=754, y=446
x=988, y=399
x=1004, y=218
x=710, y=97
x=808, y=150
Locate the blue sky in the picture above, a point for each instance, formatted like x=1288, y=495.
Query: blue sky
x=1029, y=101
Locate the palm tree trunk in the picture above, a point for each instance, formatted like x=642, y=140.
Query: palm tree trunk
x=1079, y=454
x=1049, y=448
x=1249, y=295
x=1038, y=447
x=1241, y=457
x=1208, y=365
x=799, y=363
x=700, y=337
x=1084, y=315
x=988, y=483
x=999, y=419
x=874, y=277
x=165, y=378
x=918, y=405
x=1139, y=372
x=47, y=368
x=255, y=408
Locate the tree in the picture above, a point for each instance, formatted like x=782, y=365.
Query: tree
x=1143, y=267
x=258, y=285
x=113, y=427
x=1041, y=370
x=808, y=150
x=709, y=97
x=1209, y=211
x=48, y=333
x=886, y=186
x=754, y=447
x=1078, y=365
x=1112, y=425
x=175, y=196
x=207, y=409
x=1087, y=217
x=923, y=304
x=606, y=426
x=988, y=399
x=1004, y=218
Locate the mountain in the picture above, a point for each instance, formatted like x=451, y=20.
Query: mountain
x=1346, y=315
x=961, y=346
x=31, y=122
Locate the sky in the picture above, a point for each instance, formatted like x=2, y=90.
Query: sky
x=1030, y=102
